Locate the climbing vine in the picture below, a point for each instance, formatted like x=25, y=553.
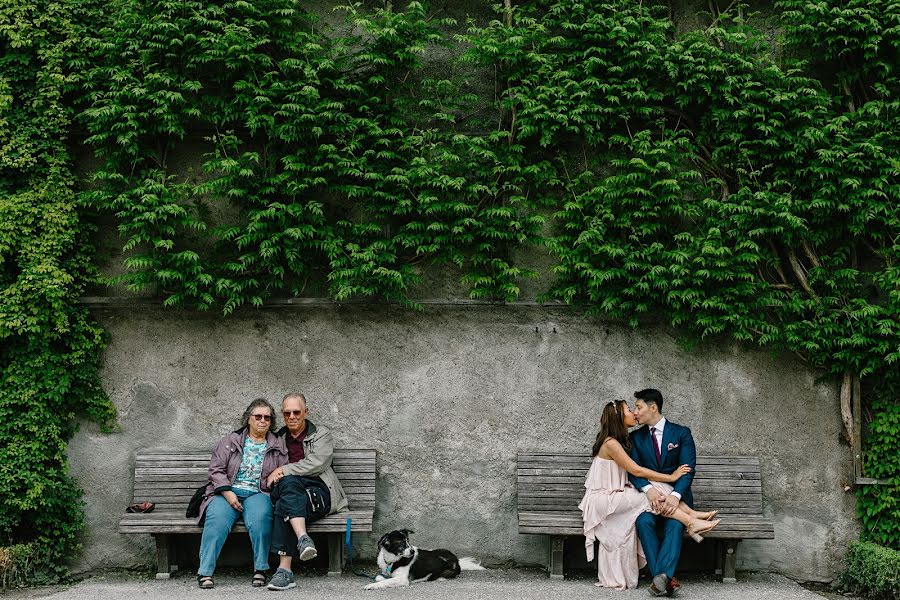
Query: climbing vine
x=338, y=159
x=50, y=345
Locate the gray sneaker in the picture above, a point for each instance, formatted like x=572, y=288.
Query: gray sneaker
x=282, y=580
x=305, y=548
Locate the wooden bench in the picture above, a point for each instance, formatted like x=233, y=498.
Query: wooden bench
x=550, y=486
x=169, y=477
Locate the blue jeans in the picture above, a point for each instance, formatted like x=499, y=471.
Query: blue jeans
x=220, y=518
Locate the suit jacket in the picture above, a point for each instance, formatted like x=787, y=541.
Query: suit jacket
x=682, y=452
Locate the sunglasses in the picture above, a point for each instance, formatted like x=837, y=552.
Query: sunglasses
x=291, y=413
x=262, y=417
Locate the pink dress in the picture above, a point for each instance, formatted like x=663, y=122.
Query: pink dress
x=609, y=508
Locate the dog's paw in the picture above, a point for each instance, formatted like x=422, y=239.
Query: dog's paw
x=371, y=586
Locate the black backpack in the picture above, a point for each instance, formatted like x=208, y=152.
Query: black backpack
x=193, y=507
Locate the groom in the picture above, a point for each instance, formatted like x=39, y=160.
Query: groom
x=662, y=446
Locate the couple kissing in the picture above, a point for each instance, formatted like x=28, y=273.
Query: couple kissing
x=637, y=501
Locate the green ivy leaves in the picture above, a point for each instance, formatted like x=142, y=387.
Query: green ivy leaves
x=337, y=165
x=50, y=346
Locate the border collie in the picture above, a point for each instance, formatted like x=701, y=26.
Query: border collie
x=401, y=563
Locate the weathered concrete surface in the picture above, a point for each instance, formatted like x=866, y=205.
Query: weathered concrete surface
x=490, y=585
x=448, y=397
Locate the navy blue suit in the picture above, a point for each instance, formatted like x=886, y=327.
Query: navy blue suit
x=677, y=449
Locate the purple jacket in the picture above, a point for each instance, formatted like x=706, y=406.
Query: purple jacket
x=226, y=460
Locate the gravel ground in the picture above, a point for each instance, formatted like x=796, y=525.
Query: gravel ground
x=498, y=584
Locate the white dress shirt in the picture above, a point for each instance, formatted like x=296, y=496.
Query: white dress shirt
x=658, y=434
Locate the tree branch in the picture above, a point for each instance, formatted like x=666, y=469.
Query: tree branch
x=846, y=412
x=799, y=273
x=810, y=254
x=507, y=19
x=778, y=268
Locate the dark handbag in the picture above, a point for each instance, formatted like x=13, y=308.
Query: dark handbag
x=193, y=507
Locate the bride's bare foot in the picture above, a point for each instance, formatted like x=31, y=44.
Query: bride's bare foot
x=706, y=516
x=700, y=527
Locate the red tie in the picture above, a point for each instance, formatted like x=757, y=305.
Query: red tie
x=655, y=444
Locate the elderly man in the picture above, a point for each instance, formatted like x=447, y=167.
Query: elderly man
x=304, y=490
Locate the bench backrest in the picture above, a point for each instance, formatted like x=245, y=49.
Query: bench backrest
x=169, y=477
x=555, y=482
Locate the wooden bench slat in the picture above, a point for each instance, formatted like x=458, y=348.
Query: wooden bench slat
x=154, y=478
x=572, y=504
x=701, y=475
x=702, y=471
x=715, y=534
x=198, y=463
x=574, y=480
x=361, y=522
x=568, y=516
x=205, y=452
x=711, y=467
x=704, y=484
x=178, y=518
x=705, y=496
x=698, y=484
x=577, y=456
x=204, y=461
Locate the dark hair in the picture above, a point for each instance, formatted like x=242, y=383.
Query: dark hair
x=651, y=396
x=612, y=425
x=245, y=420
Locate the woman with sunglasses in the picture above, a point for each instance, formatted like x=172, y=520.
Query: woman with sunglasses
x=238, y=471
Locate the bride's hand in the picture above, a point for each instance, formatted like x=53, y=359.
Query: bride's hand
x=682, y=470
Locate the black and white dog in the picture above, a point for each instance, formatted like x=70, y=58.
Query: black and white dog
x=401, y=563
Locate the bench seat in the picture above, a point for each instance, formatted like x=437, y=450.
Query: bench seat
x=169, y=477
x=549, y=487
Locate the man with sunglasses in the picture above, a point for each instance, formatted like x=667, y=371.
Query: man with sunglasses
x=304, y=490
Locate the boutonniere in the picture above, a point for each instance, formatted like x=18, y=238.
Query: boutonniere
x=671, y=446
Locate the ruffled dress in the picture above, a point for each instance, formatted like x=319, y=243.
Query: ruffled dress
x=609, y=508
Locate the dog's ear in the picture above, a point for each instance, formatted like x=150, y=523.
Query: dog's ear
x=406, y=532
x=383, y=541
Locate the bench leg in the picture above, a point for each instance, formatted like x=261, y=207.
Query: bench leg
x=719, y=551
x=164, y=556
x=556, y=557
x=335, y=554
x=729, y=561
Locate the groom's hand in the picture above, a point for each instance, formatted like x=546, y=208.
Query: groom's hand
x=669, y=504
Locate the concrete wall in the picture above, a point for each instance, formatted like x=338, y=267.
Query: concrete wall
x=448, y=397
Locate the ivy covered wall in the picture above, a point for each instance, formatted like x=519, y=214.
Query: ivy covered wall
x=734, y=185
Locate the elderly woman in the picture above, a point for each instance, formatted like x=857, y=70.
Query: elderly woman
x=238, y=469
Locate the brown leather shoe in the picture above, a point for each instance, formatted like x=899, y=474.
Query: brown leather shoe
x=672, y=587
x=659, y=585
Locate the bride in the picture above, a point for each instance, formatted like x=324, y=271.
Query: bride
x=611, y=505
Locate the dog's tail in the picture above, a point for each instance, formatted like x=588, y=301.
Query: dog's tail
x=467, y=563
